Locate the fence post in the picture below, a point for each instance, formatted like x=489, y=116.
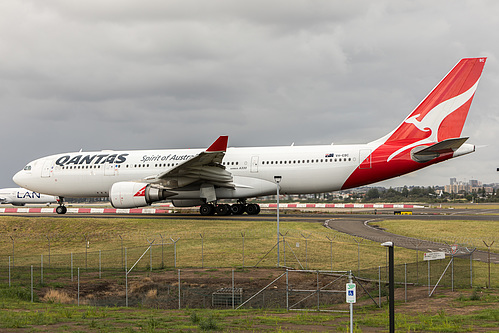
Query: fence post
x=9, y=271
x=331, y=250
x=162, y=258
x=405, y=281
x=233, y=289
x=429, y=285
x=179, y=289
x=41, y=269
x=306, y=250
x=488, y=251
x=175, y=251
x=202, y=250
x=452, y=273
x=243, y=234
x=48, y=238
x=379, y=286
x=87, y=245
x=71, y=266
x=122, y=262
x=358, y=254
x=100, y=264
x=287, y=289
x=31, y=283
x=78, y=286
x=150, y=253
x=126, y=280
x=13, y=251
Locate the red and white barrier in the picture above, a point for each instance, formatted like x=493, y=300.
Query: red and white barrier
x=165, y=211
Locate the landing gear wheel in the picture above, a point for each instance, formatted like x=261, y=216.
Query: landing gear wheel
x=61, y=210
x=237, y=209
x=207, y=209
x=252, y=209
x=223, y=210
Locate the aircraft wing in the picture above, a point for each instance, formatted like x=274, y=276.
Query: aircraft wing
x=205, y=167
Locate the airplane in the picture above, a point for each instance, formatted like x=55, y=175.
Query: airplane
x=22, y=196
x=430, y=134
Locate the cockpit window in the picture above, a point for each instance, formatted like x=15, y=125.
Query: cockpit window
x=27, y=168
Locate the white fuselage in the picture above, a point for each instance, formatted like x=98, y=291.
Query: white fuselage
x=21, y=197
x=304, y=169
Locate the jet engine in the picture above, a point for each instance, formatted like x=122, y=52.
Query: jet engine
x=131, y=194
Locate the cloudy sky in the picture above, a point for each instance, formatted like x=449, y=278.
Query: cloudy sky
x=129, y=74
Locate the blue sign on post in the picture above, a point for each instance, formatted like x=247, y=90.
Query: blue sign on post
x=351, y=293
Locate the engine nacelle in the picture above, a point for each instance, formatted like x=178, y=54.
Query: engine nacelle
x=131, y=194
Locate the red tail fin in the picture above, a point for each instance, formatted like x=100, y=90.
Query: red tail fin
x=442, y=113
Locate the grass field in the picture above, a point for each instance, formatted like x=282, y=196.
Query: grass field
x=220, y=244
x=199, y=243
x=472, y=233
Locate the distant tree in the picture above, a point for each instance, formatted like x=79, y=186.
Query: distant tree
x=373, y=193
x=405, y=192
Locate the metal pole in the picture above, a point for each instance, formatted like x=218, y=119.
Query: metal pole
x=429, y=278
x=78, y=286
x=488, y=260
x=452, y=273
x=9, y=271
x=100, y=264
x=122, y=262
x=13, y=251
x=318, y=293
x=379, y=286
x=350, y=280
x=471, y=269
x=287, y=289
x=71, y=266
x=162, y=258
x=233, y=289
x=126, y=279
x=41, y=269
x=49, y=248
x=242, y=234
x=86, y=250
x=392, y=289
x=405, y=281
x=331, y=249
x=278, y=232
x=179, y=289
x=31, y=283
x=202, y=250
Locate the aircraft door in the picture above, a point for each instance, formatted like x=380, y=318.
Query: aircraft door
x=110, y=169
x=47, y=168
x=254, y=164
x=365, y=159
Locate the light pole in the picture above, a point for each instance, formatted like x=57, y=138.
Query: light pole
x=391, y=285
x=277, y=180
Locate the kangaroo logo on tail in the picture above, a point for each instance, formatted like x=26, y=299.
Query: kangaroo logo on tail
x=434, y=118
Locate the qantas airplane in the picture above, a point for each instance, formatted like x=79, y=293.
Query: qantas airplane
x=200, y=177
x=21, y=197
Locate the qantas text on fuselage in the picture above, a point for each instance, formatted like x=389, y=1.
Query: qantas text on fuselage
x=430, y=134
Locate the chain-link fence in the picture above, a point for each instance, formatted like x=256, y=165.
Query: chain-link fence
x=223, y=270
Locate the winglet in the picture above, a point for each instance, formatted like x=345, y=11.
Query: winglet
x=219, y=145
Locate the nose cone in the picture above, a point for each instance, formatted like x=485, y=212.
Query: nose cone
x=20, y=178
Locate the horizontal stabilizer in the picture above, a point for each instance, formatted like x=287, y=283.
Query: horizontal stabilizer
x=424, y=154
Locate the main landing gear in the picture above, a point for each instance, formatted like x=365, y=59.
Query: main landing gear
x=61, y=209
x=225, y=209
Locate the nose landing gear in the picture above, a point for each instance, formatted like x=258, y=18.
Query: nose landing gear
x=61, y=209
